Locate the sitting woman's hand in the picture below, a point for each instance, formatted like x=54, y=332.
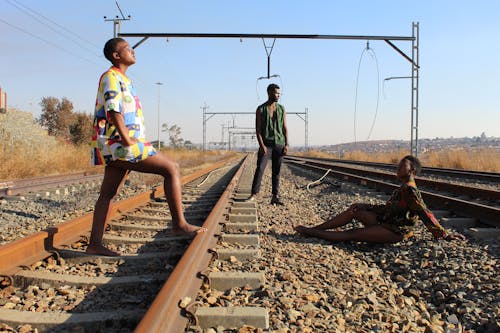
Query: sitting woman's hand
x=359, y=206
x=454, y=236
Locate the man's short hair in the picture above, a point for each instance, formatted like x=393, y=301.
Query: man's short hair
x=110, y=47
x=272, y=87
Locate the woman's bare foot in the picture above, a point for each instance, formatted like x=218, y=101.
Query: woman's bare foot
x=187, y=229
x=301, y=229
x=101, y=250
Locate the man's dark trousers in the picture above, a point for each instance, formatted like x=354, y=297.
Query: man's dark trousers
x=276, y=152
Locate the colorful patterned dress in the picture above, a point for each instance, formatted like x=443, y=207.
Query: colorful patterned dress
x=116, y=94
x=404, y=209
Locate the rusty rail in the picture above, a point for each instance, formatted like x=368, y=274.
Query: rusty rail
x=164, y=314
x=41, y=244
x=456, y=189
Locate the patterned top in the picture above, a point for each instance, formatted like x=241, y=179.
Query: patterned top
x=405, y=208
x=116, y=94
x=272, y=130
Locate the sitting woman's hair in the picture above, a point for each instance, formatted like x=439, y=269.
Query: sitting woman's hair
x=415, y=163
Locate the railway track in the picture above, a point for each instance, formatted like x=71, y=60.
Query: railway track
x=489, y=177
x=61, y=289
x=47, y=183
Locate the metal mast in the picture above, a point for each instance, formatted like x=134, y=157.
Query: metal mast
x=414, y=91
x=117, y=21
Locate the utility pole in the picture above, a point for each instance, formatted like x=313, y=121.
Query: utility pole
x=117, y=21
x=205, y=108
x=159, y=84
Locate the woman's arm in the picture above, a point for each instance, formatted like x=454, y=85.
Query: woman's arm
x=116, y=119
x=416, y=204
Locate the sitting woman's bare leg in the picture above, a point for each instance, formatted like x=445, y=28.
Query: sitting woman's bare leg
x=161, y=164
x=364, y=216
x=370, y=234
x=337, y=221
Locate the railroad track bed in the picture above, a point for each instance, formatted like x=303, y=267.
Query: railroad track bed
x=76, y=292
x=303, y=284
x=25, y=214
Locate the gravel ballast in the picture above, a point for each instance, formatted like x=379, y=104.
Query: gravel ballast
x=417, y=285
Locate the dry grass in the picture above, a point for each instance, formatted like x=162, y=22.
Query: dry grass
x=484, y=159
x=20, y=160
x=193, y=160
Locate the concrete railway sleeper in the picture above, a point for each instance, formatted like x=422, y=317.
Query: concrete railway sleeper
x=230, y=272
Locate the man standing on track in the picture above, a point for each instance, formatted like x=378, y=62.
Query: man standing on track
x=119, y=142
x=272, y=135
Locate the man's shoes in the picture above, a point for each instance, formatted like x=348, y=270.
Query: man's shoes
x=251, y=198
x=276, y=201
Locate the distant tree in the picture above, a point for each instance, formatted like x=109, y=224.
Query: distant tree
x=174, y=133
x=81, y=129
x=57, y=116
x=49, y=117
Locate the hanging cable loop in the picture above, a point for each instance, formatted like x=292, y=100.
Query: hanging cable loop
x=370, y=52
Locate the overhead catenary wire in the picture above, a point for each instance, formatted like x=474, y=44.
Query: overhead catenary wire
x=40, y=18
x=371, y=52
x=269, y=78
x=48, y=42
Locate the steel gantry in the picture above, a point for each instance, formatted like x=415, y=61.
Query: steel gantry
x=413, y=59
x=207, y=115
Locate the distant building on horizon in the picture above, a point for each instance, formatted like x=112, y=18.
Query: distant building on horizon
x=3, y=101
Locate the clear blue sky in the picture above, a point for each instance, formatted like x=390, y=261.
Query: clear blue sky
x=54, y=48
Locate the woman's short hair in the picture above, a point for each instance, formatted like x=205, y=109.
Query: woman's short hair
x=415, y=163
x=110, y=47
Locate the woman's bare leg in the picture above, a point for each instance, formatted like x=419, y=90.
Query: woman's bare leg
x=161, y=164
x=364, y=216
x=369, y=234
x=111, y=183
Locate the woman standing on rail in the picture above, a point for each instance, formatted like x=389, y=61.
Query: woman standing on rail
x=119, y=142
x=388, y=223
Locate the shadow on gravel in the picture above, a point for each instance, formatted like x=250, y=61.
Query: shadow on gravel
x=452, y=278
x=21, y=214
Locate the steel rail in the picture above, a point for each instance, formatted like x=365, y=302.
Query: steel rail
x=485, y=214
x=464, y=174
x=456, y=189
x=164, y=314
x=20, y=186
x=41, y=244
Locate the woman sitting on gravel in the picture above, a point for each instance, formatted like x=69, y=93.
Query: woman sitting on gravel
x=387, y=223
